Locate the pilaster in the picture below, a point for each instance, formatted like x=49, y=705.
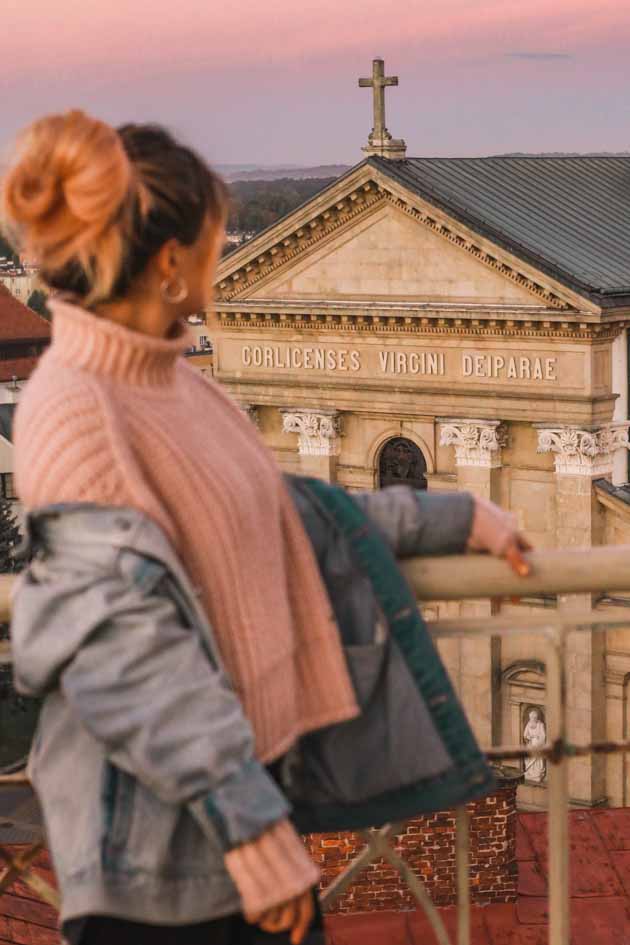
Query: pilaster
x=319, y=433
x=478, y=458
x=581, y=455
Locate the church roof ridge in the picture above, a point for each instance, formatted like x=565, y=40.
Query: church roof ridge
x=625, y=156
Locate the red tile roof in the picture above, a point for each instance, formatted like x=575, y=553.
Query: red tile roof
x=599, y=889
x=21, y=368
x=18, y=322
x=600, y=897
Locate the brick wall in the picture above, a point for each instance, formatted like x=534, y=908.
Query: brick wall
x=428, y=845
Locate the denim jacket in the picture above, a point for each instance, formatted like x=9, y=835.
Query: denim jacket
x=143, y=760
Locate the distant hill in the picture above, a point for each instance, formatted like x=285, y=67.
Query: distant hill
x=234, y=172
x=257, y=204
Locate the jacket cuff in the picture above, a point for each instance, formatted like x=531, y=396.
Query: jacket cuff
x=242, y=807
x=271, y=869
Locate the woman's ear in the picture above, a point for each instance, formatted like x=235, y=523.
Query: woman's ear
x=167, y=259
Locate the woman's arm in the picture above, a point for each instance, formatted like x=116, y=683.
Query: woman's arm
x=425, y=523
x=420, y=523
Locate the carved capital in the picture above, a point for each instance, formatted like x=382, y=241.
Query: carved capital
x=318, y=431
x=476, y=442
x=584, y=452
x=252, y=412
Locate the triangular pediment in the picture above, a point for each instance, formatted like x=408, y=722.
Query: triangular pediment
x=387, y=255
x=365, y=238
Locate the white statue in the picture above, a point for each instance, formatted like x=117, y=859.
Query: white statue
x=535, y=736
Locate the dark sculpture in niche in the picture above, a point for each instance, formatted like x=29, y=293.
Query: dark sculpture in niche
x=401, y=462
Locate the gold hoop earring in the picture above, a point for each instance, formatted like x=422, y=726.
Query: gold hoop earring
x=174, y=297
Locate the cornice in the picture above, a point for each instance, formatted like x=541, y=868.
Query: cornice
x=430, y=321
x=339, y=206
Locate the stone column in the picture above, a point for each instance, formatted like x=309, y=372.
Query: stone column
x=580, y=457
x=478, y=445
x=319, y=433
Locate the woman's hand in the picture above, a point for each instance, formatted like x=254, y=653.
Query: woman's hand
x=495, y=531
x=294, y=916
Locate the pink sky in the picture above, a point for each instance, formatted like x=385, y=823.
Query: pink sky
x=275, y=81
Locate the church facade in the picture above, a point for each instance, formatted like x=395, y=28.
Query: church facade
x=458, y=324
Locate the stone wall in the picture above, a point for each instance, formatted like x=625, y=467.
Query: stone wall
x=428, y=845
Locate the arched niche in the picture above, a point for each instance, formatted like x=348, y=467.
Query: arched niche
x=524, y=694
x=401, y=462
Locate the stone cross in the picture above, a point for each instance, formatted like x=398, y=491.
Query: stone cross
x=380, y=141
x=378, y=83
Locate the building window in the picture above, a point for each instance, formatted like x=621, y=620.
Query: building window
x=401, y=462
x=6, y=486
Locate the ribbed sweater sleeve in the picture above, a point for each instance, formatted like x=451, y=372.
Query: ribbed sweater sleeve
x=272, y=869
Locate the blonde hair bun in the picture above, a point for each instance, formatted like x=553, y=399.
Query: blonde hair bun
x=64, y=193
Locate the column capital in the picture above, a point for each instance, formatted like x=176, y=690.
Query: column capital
x=476, y=442
x=252, y=412
x=318, y=430
x=583, y=452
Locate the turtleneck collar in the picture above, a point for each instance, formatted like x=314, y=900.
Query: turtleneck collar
x=92, y=343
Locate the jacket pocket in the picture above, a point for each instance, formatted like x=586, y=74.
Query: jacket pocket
x=117, y=797
x=392, y=744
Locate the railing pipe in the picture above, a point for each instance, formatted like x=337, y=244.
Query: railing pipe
x=558, y=797
x=469, y=577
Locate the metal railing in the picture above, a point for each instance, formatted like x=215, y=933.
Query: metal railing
x=597, y=571
x=563, y=573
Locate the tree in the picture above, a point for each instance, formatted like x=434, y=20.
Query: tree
x=37, y=301
x=9, y=537
x=18, y=714
x=7, y=250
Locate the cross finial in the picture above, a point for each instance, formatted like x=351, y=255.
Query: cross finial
x=380, y=141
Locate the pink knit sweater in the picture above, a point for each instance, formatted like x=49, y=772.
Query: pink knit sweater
x=117, y=417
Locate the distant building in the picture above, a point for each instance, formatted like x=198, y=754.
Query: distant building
x=21, y=281
x=23, y=337
x=459, y=323
x=200, y=352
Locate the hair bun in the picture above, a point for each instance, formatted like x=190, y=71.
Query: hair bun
x=67, y=186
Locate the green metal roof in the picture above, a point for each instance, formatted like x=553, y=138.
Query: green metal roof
x=569, y=216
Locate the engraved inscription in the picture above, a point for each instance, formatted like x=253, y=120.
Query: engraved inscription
x=507, y=366
x=441, y=363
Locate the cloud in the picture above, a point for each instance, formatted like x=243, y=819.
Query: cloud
x=538, y=55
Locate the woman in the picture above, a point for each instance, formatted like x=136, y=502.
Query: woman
x=127, y=226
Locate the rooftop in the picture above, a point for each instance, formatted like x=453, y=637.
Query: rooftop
x=568, y=216
x=599, y=888
x=18, y=322
x=600, y=896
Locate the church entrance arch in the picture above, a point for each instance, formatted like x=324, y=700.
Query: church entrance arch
x=401, y=462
